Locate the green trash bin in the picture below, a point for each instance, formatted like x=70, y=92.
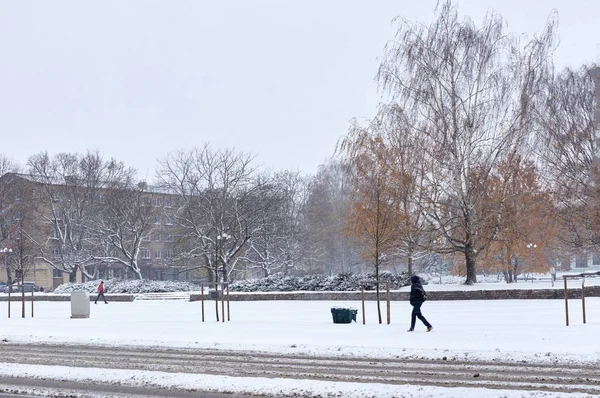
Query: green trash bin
x=343, y=315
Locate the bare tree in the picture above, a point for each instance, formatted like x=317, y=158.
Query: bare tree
x=472, y=91
x=21, y=241
x=70, y=187
x=10, y=207
x=326, y=246
x=568, y=154
x=126, y=217
x=411, y=168
x=277, y=244
x=214, y=190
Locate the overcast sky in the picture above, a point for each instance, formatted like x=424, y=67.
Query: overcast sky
x=280, y=79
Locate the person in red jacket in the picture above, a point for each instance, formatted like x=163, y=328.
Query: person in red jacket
x=101, y=293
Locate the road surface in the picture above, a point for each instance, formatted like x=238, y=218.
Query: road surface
x=423, y=372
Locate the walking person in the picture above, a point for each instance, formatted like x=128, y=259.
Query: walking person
x=417, y=298
x=101, y=293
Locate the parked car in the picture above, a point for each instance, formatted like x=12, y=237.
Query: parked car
x=3, y=287
x=26, y=287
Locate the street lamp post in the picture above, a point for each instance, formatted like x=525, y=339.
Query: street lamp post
x=531, y=246
x=221, y=240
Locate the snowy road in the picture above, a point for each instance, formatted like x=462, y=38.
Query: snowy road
x=441, y=373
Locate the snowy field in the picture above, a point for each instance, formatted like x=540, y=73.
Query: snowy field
x=516, y=330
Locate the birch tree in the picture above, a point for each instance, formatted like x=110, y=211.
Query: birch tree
x=472, y=91
x=568, y=154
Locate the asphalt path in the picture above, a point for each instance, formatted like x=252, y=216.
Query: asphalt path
x=440, y=372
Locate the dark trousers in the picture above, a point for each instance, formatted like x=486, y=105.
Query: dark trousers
x=101, y=295
x=416, y=313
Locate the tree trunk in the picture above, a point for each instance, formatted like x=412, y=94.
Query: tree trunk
x=515, y=271
x=377, y=288
x=470, y=259
x=136, y=270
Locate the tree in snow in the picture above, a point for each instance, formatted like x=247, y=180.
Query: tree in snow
x=277, y=244
x=214, y=215
x=70, y=187
x=473, y=91
x=126, y=218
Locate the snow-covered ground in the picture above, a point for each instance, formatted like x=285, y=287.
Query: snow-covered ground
x=515, y=330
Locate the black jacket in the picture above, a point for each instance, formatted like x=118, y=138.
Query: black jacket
x=417, y=293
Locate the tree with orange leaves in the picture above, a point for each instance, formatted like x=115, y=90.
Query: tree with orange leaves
x=527, y=228
x=373, y=214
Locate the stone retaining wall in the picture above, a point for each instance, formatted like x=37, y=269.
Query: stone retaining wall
x=65, y=297
x=508, y=294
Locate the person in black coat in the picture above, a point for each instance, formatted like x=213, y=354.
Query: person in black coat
x=417, y=298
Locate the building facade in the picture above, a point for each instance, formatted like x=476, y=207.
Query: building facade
x=35, y=218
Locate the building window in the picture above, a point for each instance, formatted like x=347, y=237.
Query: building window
x=169, y=238
x=157, y=254
x=56, y=273
x=55, y=254
x=169, y=253
x=157, y=220
x=158, y=237
x=144, y=253
x=168, y=220
x=581, y=261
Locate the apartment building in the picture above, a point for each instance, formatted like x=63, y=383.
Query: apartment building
x=32, y=231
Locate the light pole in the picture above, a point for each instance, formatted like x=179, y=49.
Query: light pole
x=222, y=239
x=531, y=246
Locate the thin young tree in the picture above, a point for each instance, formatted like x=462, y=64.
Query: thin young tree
x=374, y=211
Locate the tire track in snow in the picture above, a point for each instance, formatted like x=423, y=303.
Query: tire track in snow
x=425, y=372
